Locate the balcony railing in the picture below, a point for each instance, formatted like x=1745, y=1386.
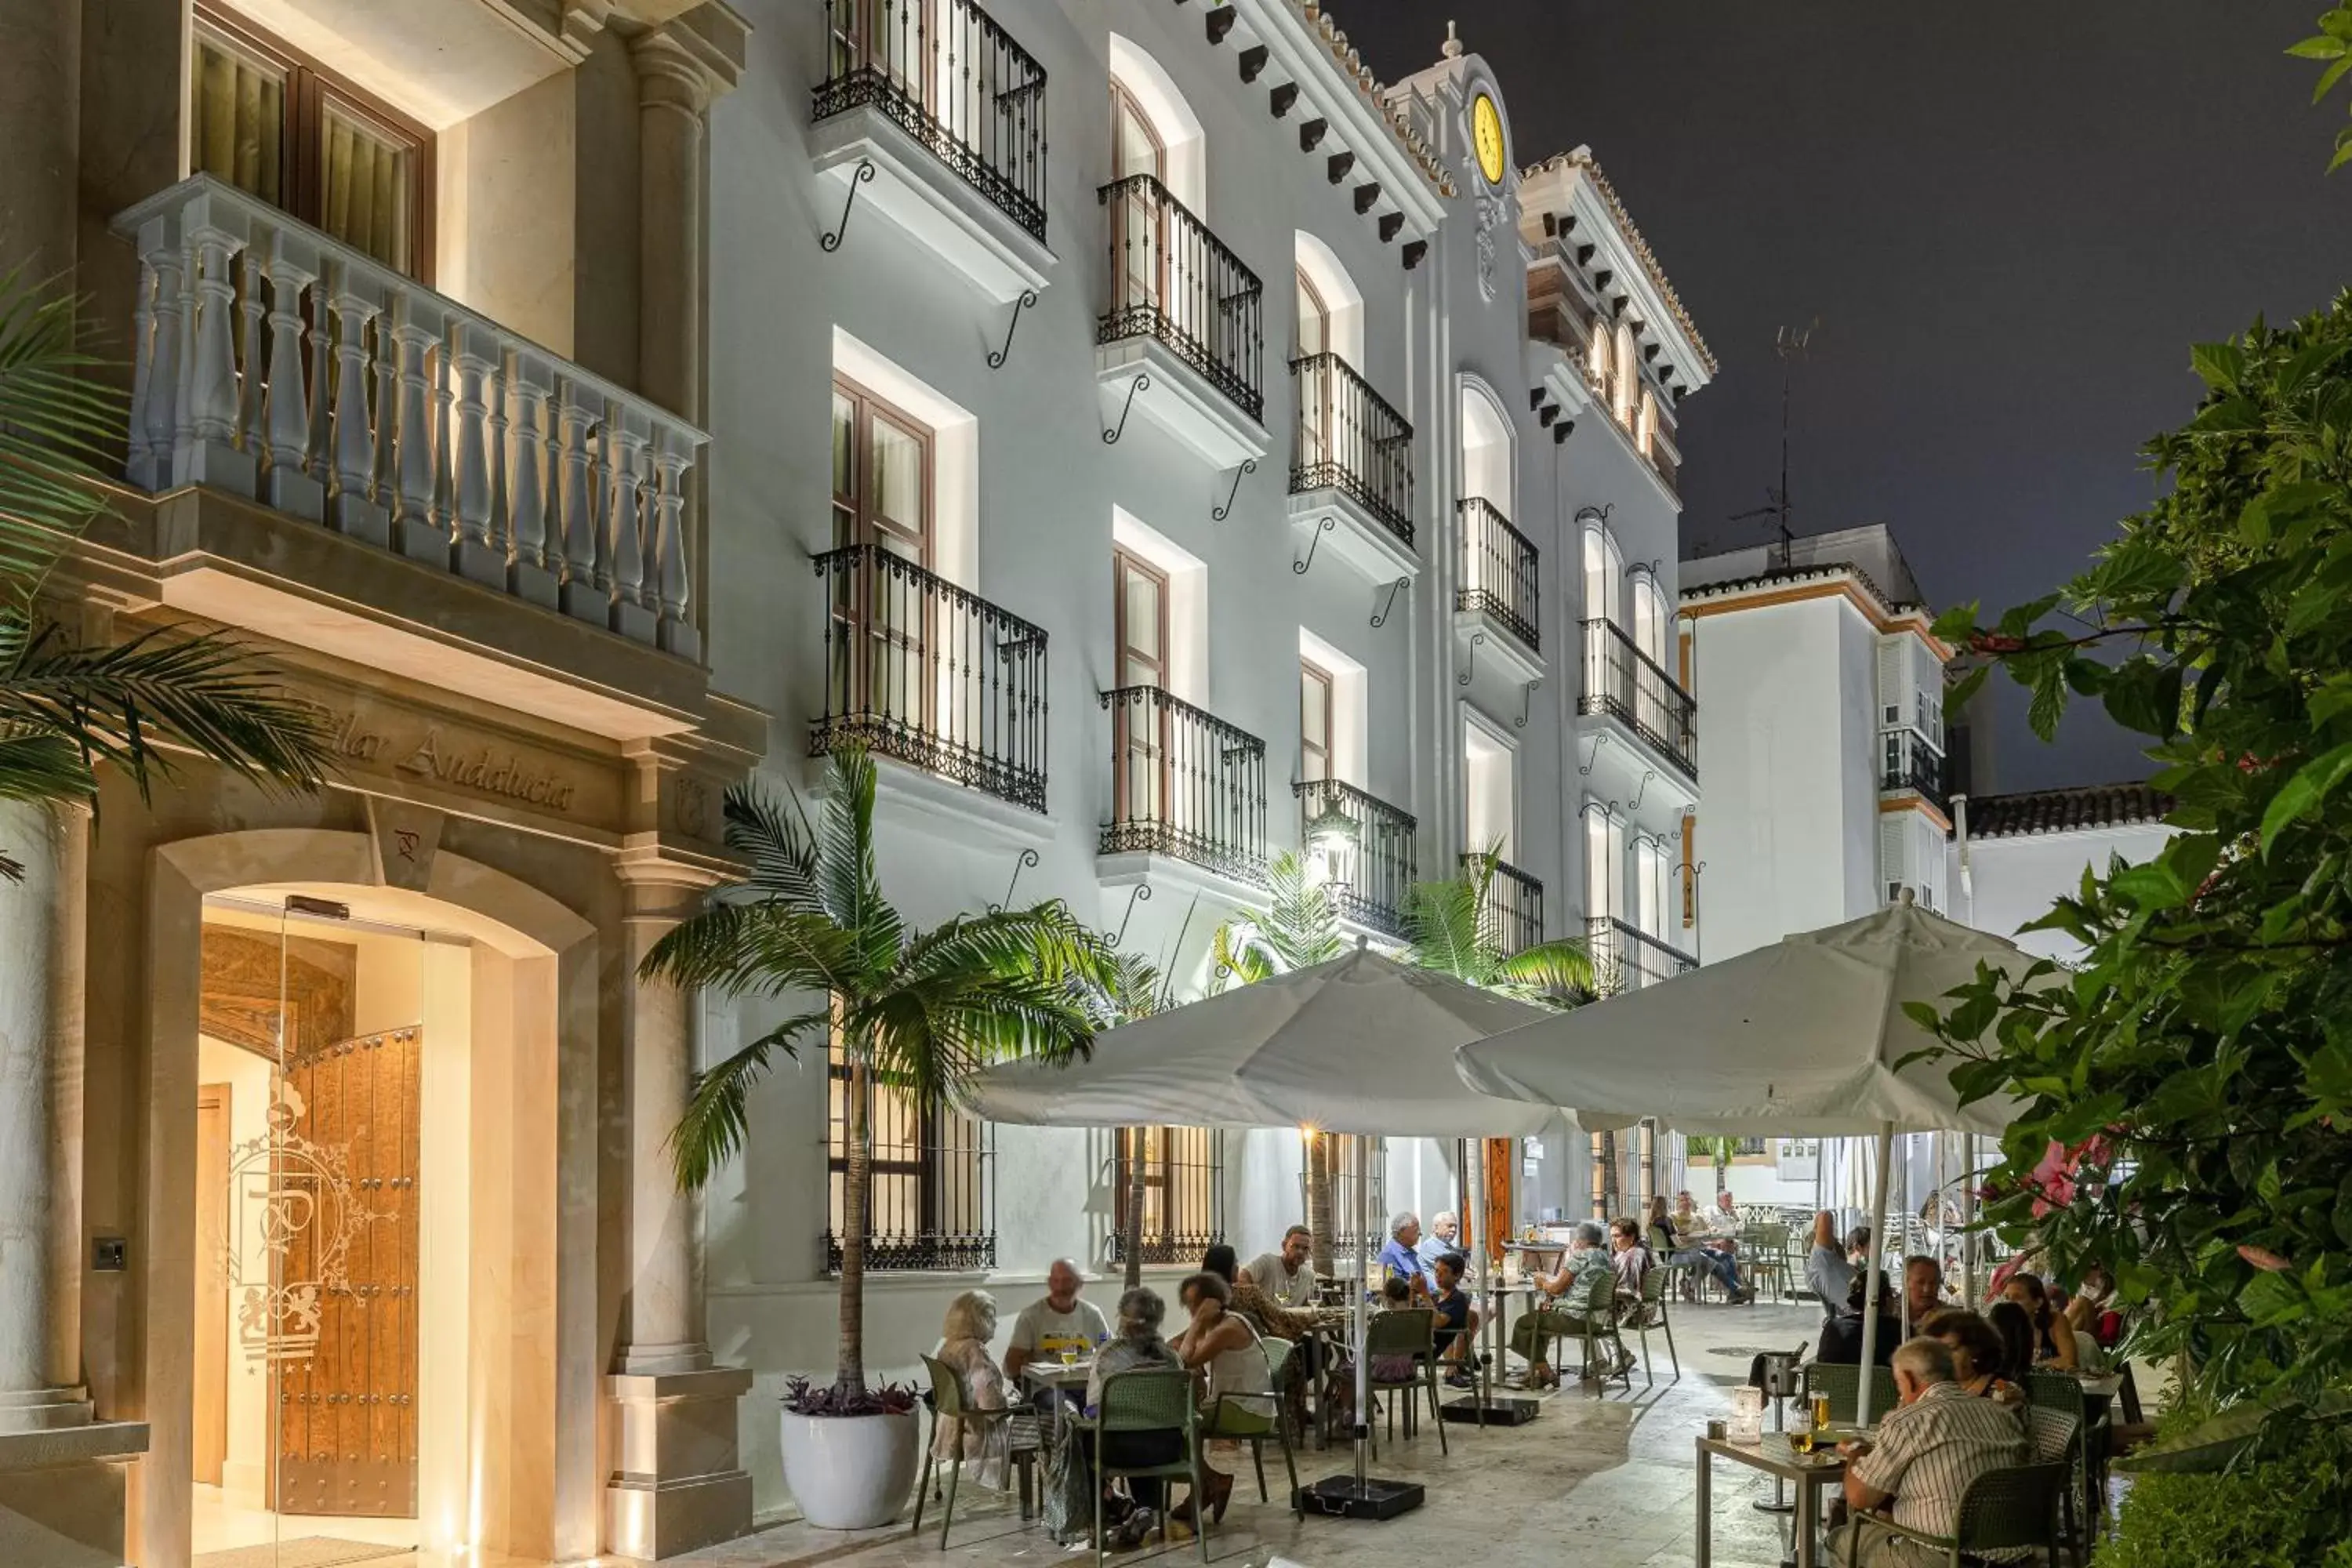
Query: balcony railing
x=1909, y=763
x=1367, y=873
x=1625, y=957
x=277, y=362
x=956, y=82
x=919, y=670
x=1513, y=914
x=1499, y=571
x=1172, y=279
x=1351, y=440
x=1620, y=678
x=1185, y=783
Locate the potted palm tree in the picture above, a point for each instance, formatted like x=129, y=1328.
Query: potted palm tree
x=1300, y=927
x=916, y=1012
x=66, y=707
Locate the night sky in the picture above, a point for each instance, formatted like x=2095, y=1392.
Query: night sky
x=2011, y=219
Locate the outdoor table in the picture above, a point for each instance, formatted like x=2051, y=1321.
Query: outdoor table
x=1329, y=1329
x=1773, y=1457
x=1052, y=1376
x=1496, y=1292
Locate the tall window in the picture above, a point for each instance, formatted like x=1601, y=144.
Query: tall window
x=1140, y=616
x=1650, y=867
x=1628, y=375
x=1343, y=1150
x=882, y=496
x=881, y=475
x=1183, y=1189
x=281, y=127
x=1313, y=722
x=1314, y=338
x=1136, y=148
x=1604, y=863
x=930, y=1196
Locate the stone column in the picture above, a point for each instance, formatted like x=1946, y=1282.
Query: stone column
x=42, y=923
x=676, y=1483
x=62, y=1474
x=674, y=88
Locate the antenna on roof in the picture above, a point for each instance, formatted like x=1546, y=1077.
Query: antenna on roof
x=1789, y=345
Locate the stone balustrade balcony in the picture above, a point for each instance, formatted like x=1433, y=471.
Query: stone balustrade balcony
x=396, y=435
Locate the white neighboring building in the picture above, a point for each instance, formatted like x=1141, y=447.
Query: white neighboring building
x=2014, y=856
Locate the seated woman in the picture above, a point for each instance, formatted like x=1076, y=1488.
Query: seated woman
x=2054, y=1336
x=1135, y=1344
x=1841, y=1343
x=970, y=1324
x=1221, y=1347
x=1269, y=1317
x=1588, y=1259
x=1979, y=1354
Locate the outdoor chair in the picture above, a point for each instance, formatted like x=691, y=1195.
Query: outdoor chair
x=2002, y=1510
x=1594, y=1320
x=1257, y=1419
x=1764, y=1255
x=952, y=1403
x=2056, y=1391
x=1657, y=1291
x=1149, y=1399
x=1408, y=1331
x=1843, y=1384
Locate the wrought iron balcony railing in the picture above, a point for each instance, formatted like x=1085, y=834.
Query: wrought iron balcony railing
x=1620, y=678
x=1185, y=783
x=1625, y=957
x=1351, y=440
x=1514, y=915
x=954, y=81
x=1910, y=762
x=919, y=670
x=1172, y=279
x=1499, y=571
x=1367, y=869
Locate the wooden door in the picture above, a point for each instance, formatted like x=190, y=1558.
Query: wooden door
x=211, y=1371
x=1142, y=240
x=1315, y=390
x=347, y=1433
x=882, y=496
x=1141, y=617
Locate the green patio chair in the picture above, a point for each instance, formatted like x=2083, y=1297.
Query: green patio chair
x=2002, y=1510
x=1408, y=1331
x=1593, y=1322
x=951, y=1403
x=1842, y=1384
x=1149, y=1399
x=1657, y=1293
x=1764, y=1257
x=1257, y=1419
x=2057, y=1392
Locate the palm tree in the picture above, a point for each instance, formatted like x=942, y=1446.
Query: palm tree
x=64, y=707
x=1446, y=929
x=918, y=1013
x=1300, y=927
x=1718, y=1152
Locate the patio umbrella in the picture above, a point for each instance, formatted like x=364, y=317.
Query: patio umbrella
x=1805, y=1037
x=1361, y=1044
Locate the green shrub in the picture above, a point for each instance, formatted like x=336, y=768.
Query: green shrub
x=2291, y=1512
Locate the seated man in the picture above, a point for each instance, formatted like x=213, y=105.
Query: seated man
x=1061, y=1320
x=1400, y=1258
x=1916, y=1470
x=1923, y=1288
x=1841, y=1343
x=1444, y=1237
x=1287, y=1273
x=1457, y=1321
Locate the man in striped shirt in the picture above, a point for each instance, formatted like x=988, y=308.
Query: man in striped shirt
x=1926, y=1453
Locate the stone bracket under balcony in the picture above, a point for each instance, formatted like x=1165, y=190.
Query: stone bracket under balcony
x=1485, y=641
x=1627, y=768
x=925, y=199
x=1178, y=400
x=1173, y=877
x=1356, y=537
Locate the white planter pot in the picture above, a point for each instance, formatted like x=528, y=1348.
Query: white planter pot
x=851, y=1472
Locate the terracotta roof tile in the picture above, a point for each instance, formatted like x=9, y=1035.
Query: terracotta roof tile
x=2065, y=810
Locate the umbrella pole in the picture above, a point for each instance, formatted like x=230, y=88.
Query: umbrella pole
x=1904, y=1294
x=1358, y=1496
x=1870, y=1287
x=1363, y=1323
x=1967, y=1219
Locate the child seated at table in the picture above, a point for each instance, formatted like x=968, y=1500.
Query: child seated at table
x=1396, y=1295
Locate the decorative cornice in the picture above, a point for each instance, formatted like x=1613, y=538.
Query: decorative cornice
x=1317, y=18
x=1581, y=160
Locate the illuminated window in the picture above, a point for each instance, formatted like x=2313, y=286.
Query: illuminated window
x=1183, y=1190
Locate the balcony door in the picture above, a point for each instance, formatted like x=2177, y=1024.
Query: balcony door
x=1142, y=743
x=1314, y=390
x=1141, y=214
x=882, y=498
x=1313, y=722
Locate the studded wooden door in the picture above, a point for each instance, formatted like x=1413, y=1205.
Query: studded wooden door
x=347, y=1413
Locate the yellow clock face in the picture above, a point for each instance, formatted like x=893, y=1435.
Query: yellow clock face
x=1486, y=136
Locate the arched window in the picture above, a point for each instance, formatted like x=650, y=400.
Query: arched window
x=1628, y=375
x=1645, y=427
x=1604, y=575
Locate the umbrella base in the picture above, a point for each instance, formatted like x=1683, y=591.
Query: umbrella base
x=1496, y=1411
x=1344, y=1497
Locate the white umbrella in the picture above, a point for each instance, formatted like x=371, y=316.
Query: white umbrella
x=1805, y=1037
x=1361, y=1044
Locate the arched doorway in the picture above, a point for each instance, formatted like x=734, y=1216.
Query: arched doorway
x=360, y=1097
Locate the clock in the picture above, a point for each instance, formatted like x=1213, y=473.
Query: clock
x=1487, y=137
